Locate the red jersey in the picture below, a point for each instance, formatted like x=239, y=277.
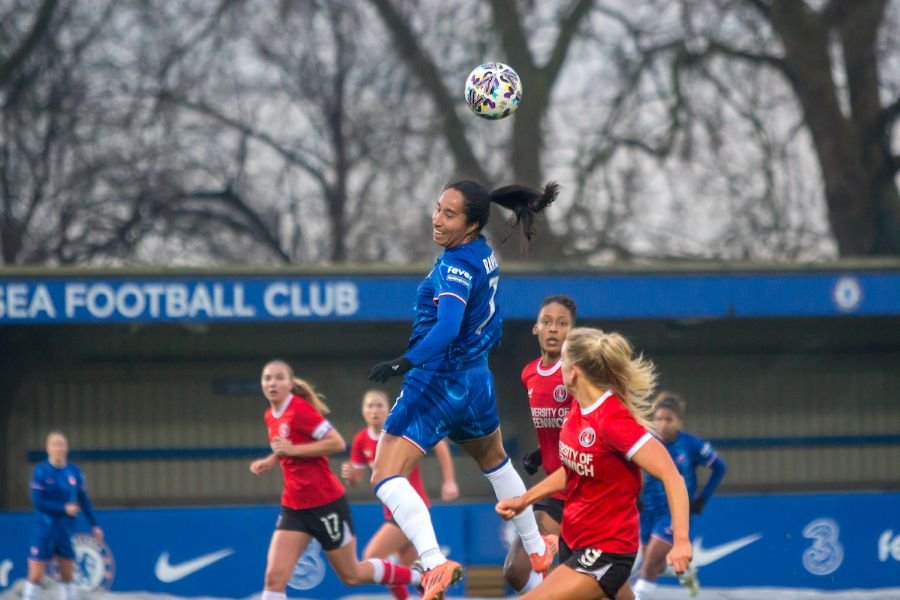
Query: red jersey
x=308, y=481
x=362, y=455
x=596, y=445
x=550, y=402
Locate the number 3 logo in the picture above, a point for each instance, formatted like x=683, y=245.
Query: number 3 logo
x=826, y=553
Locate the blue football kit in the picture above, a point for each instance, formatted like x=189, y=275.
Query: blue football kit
x=51, y=489
x=688, y=452
x=449, y=392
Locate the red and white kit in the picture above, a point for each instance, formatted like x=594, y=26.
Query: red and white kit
x=596, y=445
x=308, y=481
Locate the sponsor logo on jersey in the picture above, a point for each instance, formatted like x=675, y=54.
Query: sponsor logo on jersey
x=560, y=394
x=582, y=463
x=587, y=437
x=284, y=430
x=548, y=417
x=459, y=276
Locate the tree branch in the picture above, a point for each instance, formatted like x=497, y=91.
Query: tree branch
x=288, y=154
x=40, y=27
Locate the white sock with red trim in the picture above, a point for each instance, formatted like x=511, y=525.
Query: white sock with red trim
x=389, y=573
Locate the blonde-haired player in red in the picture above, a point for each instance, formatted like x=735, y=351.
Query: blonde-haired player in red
x=390, y=539
x=549, y=402
x=603, y=445
x=313, y=502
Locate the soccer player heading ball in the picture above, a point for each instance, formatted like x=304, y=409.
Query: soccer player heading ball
x=448, y=390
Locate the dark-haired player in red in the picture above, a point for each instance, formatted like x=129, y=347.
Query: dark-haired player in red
x=390, y=539
x=603, y=445
x=549, y=402
x=313, y=503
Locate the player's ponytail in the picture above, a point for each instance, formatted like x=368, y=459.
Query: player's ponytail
x=306, y=390
x=525, y=203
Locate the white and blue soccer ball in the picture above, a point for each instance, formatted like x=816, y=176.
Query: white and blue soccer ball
x=493, y=90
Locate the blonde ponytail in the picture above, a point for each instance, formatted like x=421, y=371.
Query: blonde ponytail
x=306, y=390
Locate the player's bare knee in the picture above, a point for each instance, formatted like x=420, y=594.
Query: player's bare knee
x=352, y=577
x=276, y=579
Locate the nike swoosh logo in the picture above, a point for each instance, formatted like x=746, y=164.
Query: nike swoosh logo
x=704, y=556
x=168, y=573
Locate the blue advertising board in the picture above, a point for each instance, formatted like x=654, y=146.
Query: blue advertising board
x=813, y=541
x=303, y=298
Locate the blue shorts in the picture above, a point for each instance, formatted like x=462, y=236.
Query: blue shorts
x=433, y=405
x=657, y=524
x=49, y=540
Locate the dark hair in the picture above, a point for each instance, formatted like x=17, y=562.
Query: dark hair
x=525, y=202
x=672, y=401
x=562, y=300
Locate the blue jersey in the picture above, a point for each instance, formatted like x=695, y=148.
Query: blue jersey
x=469, y=274
x=52, y=488
x=688, y=452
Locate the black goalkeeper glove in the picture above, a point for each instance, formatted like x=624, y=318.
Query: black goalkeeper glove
x=697, y=505
x=385, y=370
x=532, y=461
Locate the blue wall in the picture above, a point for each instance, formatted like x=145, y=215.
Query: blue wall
x=389, y=297
x=820, y=541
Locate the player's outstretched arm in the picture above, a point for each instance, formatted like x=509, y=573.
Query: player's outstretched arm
x=654, y=458
x=551, y=484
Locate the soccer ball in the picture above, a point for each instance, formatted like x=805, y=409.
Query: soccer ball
x=493, y=90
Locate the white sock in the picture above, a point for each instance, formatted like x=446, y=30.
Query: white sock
x=507, y=484
x=31, y=591
x=644, y=590
x=70, y=590
x=534, y=580
x=411, y=514
x=266, y=595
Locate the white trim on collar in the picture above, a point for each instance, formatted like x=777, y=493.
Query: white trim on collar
x=284, y=407
x=545, y=372
x=372, y=436
x=596, y=405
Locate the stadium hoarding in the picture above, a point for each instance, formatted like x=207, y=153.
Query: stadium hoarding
x=809, y=541
x=388, y=297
